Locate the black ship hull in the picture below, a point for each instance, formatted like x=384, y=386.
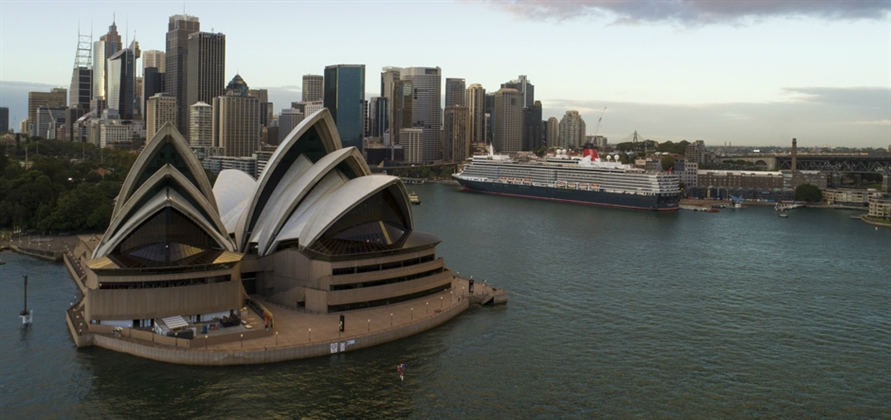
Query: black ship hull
x=597, y=198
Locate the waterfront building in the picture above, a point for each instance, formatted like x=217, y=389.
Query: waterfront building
x=454, y=92
x=571, y=130
x=165, y=252
x=508, y=121
x=688, y=171
x=344, y=96
x=426, y=109
x=456, y=137
x=880, y=206
x=553, y=132
x=55, y=98
x=475, y=99
x=4, y=119
x=287, y=121
x=160, y=109
x=313, y=88
x=236, y=120
x=200, y=125
x=206, y=75
x=532, y=127
x=792, y=179
x=179, y=27
x=412, y=142
x=850, y=197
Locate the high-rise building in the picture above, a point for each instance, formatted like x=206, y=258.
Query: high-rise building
x=455, y=136
x=377, y=114
x=266, y=110
x=475, y=99
x=412, y=144
x=236, y=120
x=312, y=108
x=526, y=89
x=152, y=82
x=508, y=120
x=122, y=80
x=553, y=132
x=532, y=127
x=179, y=27
x=154, y=58
x=344, y=96
x=400, y=106
x=490, y=117
x=49, y=118
x=55, y=98
x=454, y=92
x=4, y=119
x=201, y=126
x=389, y=75
x=160, y=109
x=287, y=121
x=81, y=88
x=206, y=68
x=426, y=110
x=313, y=87
x=572, y=130
x=107, y=46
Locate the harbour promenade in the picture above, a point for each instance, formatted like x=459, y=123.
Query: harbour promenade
x=294, y=334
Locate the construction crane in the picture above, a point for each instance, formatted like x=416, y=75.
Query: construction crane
x=599, y=120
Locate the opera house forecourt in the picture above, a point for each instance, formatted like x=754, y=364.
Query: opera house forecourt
x=317, y=256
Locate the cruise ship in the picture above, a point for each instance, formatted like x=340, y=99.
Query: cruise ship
x=585, y=180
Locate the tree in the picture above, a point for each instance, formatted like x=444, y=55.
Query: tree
x=808, y=193
x=667, y=162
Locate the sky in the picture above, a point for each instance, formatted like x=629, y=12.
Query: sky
x=745, y=73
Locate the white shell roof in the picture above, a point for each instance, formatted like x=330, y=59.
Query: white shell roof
x=233, y=191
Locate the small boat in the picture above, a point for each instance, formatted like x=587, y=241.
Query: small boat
x=784, y=215
x=413, y=198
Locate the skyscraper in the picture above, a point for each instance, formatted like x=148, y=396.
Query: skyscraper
x=178, y=29
x=400, y=106
x=80, y=91
x=201, y=125
x=377, y=113
x=572, y=130
x=313, y=87
x=206, y=68
x=287, y=120
x=156, y=59
x=532, y=127
x=526, y=89
x=4, y=119
x=475, y=99
x=55, y=98
x=508, y=120
x=344, y=96
x=456, y=137
x=553, y=131
x=154, y=67
x=108, y=45
x=236, y=120
x=426, y=110
x=454, y=91
x=122, y=80
x=160, y=109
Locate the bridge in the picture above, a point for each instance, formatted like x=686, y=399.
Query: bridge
x=847, y=163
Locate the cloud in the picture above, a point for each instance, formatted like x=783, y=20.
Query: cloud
x=693, y=12
x=851, y=96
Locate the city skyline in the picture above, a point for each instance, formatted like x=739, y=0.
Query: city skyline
x=754, y=75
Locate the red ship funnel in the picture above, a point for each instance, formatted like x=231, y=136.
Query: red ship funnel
x=590, y=151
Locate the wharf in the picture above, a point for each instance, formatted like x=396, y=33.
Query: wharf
x=295, y=334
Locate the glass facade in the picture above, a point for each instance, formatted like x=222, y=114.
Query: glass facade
x=344, y=95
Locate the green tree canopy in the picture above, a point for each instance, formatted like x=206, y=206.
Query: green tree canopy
x=808, y=193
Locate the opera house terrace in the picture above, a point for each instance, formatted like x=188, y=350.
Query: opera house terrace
x=316, y=256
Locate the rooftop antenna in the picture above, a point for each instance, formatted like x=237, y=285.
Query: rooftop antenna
x=26, y=314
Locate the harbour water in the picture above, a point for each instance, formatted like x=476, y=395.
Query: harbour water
x=612, y=313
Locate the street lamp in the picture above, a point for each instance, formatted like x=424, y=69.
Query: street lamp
x=440, y=303
x=205, y=342
x=242, y=341
x=428, y=307
x=369, y=325
x=310, y=335
x=412, y=314
x=391, y=319
x=276, y=338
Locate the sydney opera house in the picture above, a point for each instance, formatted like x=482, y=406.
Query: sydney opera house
x=317, y=231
